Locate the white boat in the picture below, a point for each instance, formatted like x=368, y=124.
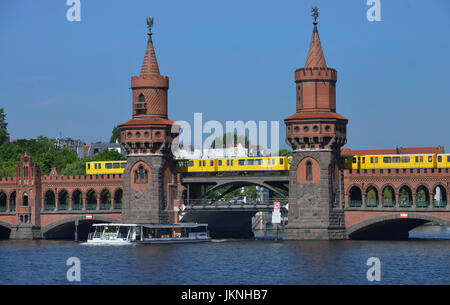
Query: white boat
x=121, y=234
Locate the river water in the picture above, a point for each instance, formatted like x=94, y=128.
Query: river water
x=423, y=259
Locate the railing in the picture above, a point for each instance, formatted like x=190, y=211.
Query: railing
x=355, y=203
x=117, y=205
x=105, y=206
x=422, y=204
x=49, y=207
x=63, y=207
x=77, y=206
x=233, y=202
x=371, y=203
x=388, y=203
x=91, y=206
x=439, y=203
x=405, y=204
x=3, y=208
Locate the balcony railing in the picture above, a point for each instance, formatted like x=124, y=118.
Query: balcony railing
x=117, y=205
x=3, y=208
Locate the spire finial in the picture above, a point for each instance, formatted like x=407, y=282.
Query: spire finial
x=150, y=24
x=315, y=13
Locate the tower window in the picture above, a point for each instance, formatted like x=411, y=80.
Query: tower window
x=308, y=171
x=141, y=98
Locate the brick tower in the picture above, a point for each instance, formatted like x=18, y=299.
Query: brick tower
x=28, y=200
x=150, y=176
x=316, y=133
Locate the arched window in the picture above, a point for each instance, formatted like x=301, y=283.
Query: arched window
x=141, y=98
x=141, y=175
x=308, y=171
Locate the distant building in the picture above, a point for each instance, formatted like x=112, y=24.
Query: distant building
x=77, y=146
x=97, y=147
x=236, y=151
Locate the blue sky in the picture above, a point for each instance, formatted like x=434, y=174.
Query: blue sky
x=230, y=60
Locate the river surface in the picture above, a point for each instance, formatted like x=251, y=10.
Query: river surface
x=423, y=259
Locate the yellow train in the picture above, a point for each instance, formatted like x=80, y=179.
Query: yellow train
x=283, y=163
x=397, y=161
x=105, y=167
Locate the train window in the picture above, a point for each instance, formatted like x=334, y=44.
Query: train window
x=108, y=165
x=396, y=159
x=232, y=162
x=204, y=162
x=250, y=162
x=430, y=158
x=354, y=160
x=417, y=159
x=439, y=158
x=220, y=162
x=123, y=165
x=371, y=159
x=258, y=162
x=405, y=159
x=376, y=159
x=199, y=163
x=421, y=159
x=363, y=159
x=387, y=159
x=228, y=162
x=95, y=166
x=241, y=162
x=448, y=158
x=290, y=160
x=116, y=165
x=211, y=163
x=89, y=166
x=281, y=161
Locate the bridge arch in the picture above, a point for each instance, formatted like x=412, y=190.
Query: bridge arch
x=65, y=228
x=242, y=183
x=5, y=229
x=391, y=226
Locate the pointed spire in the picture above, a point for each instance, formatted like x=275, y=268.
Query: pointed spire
x=150, y=64
x=315, y=58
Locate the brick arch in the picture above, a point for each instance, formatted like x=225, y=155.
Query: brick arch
x=71, y=219
x=426, y=186
x=367, y=187
x=444, y=190
x=140, y=179
x=392, y=187
x=114, y=193
x=414, y=219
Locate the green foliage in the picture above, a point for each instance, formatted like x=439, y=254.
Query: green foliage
x=47, y=155
x=4, y=136
x=387, y=194
x=231, y=139
x=371, y=194
x=115, y=137
x=284, y=153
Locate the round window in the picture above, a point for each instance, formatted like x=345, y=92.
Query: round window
x=306, y=129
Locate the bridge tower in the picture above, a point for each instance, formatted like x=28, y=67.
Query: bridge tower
x=28, y=200
x=316, y=133
x=150, y=185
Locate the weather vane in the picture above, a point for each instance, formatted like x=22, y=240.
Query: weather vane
x=150, y=24
x=315, y=13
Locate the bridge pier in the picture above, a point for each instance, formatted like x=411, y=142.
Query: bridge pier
x=25, y=231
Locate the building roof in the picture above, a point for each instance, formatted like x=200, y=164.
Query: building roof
x=315, y=115
x=315, y=58
x=150, y=64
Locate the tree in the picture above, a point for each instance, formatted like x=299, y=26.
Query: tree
x=4, y=135
x=284, y=153
x=230, y=139
x=108, y=155
x=115, y=137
